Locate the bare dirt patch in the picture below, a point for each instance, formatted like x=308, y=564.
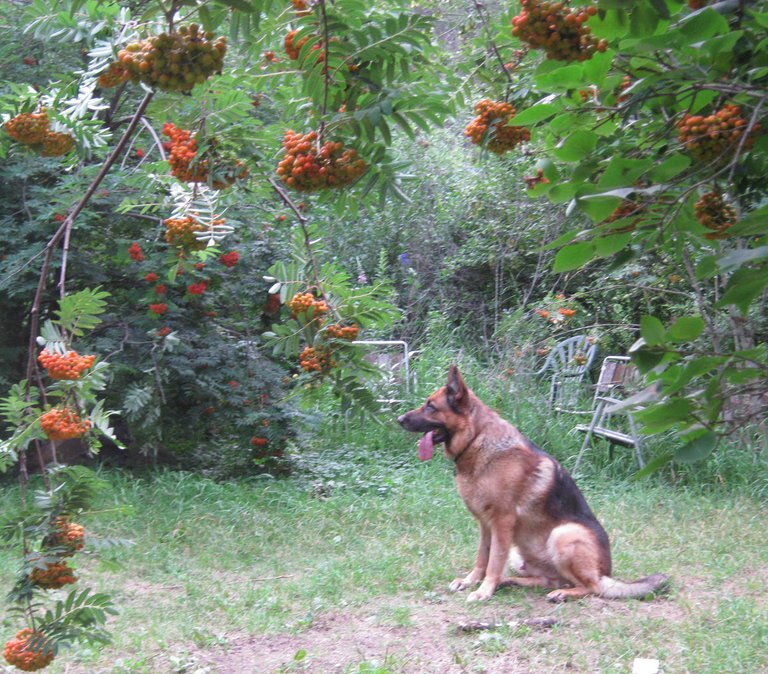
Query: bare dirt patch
x=413, y=636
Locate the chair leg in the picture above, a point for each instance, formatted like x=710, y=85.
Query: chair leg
x=638, y=442
x=554, y=391
x=596, y=418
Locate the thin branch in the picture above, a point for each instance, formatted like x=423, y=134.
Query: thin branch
x=482, y=13
x=66, y=227
x=326, y=74
x=307, y=242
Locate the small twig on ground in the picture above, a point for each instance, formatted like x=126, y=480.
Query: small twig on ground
x=544, y=622
x=267, y=578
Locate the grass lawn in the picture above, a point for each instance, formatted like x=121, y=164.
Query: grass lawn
x=345, y=568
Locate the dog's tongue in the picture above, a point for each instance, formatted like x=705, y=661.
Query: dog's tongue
x=426, y=447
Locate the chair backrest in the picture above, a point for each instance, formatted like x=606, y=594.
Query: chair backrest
x=618, y=376
x=572, y=356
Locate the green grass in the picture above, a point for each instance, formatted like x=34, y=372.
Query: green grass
x=364, y=538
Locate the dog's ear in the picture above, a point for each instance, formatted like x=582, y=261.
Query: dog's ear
x=455, y=388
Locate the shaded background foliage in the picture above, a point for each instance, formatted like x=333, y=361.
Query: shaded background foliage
x=466, y=251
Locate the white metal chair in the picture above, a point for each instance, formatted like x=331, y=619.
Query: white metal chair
x=566, y=365
x=618, y=379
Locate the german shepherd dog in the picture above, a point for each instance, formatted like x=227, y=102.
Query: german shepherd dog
x=524, y=501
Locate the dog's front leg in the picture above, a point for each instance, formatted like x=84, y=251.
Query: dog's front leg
x=481, y=563
x=501, y=540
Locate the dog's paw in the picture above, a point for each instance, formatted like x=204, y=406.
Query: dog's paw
x=557, y=596
x=459, y=584
x=482, y=593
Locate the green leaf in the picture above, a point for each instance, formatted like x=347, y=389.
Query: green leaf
x=205, y=17
x=754, y=223
x=561, y=240
x=596, y=68
x=697, y=449
x=695, y=368
x=573, y=256
x=672, y=166
x=621, y=172
x=744, y=286
x=535, y=113
x=686, y=329
x=605, y=246
x=644, y=20
x=576, y=146
x=702, y=25
x=652, y=330
x=561, y=78
x=613, y=23
x=653, y=466
x=645, y=356
x=737, y=258
x=707, y=267
x=664, y=416
x=79, y=311
x=661, y=8
x=563, y=192
x=240, y=5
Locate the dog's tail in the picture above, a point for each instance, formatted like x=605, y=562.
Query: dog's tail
x=617, y=589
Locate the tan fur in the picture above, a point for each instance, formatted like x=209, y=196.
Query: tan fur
x=525, y=505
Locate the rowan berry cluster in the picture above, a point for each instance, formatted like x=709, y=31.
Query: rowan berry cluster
x=180, y=232
x=490, y=127
x=626, y=209
x=307, y=167
x=338, y=331
x=67, y=535
x=229, y=259
x=316, y=359
x=300, y=303
x=557, y=29
x=174, y=61
x=28, y=128
x=54, y=576
x=63, y=423
x=57, y=144
x=114, y=74
x=182, y=154
x=28, y=651
x=197, y=288
x=709, y=138
x=69, y=365
x=293, y=49
x=189, y=167
x=714, y=213
x=32, y=128
x=135, y=252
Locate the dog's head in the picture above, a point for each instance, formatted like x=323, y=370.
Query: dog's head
x=442, y=415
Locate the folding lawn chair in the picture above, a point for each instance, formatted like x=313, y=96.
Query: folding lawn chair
x=566, y=365
x=617, y=381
